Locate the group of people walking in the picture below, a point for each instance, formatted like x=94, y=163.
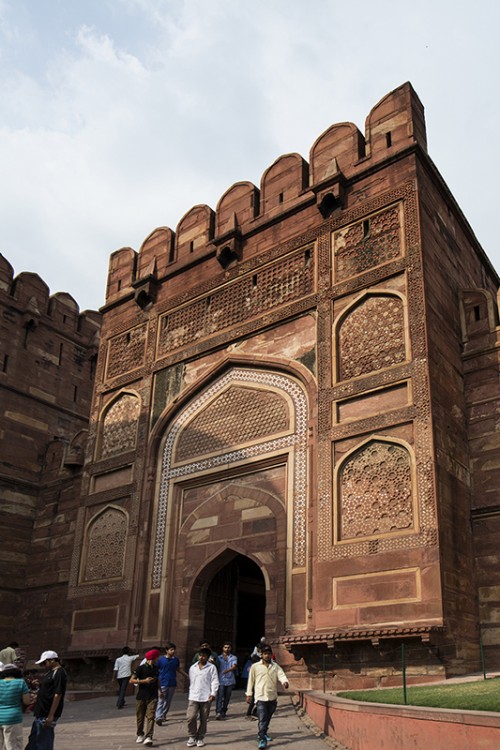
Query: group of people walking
x=212, y=678
x=47, y=704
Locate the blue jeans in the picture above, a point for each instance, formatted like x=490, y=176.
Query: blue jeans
x=265, y=710
x=41, y=737
x=223, y=698
x=164, y=702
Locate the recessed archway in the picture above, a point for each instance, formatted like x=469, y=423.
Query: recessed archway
x=228, y=602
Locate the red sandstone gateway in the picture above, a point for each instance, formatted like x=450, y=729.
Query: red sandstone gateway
x=292, y=429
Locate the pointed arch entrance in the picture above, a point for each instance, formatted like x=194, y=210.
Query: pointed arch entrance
x=232, y=474
x=228, y=602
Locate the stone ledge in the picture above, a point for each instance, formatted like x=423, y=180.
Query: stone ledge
x=414, y=726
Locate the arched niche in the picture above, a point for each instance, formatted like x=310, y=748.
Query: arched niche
x=104, y=546
x=376, y=491
x=118, y=425
x=370, y=335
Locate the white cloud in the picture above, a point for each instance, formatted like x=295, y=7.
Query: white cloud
x=117, y=116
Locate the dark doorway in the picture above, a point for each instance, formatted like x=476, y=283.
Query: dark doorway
x=235, y=606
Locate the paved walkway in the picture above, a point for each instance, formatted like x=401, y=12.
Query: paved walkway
x=97, y=724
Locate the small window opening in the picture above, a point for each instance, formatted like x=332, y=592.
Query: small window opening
x=477, y=312
x=328, y=205
x=30, y=325
x=280, y=197
x=65, y=318
x=61, y=348
x=75, y=393
x=208, y=302
x=307, y=258
x=254, y=280
x=366, y=229
x=119, y=285
x=5, y=362
x=191, y=246
x=128, y=337
x=388, y=139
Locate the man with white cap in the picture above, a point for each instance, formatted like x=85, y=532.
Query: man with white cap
x=49, y=703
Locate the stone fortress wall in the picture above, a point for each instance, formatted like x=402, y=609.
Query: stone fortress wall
x=306, y=379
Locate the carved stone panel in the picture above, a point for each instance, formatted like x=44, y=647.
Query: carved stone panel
x=367, y=243
x=126, y=351
x=375, y=491
x=371, y=336
x=119, y=426
x=105, y=546
x=283, y=281
x=220, y=425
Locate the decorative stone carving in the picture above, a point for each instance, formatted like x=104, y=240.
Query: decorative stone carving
x=368, y=243
x=371, y=336
x=119, y=426
x=105, y=546
x=288, y=279
x=296, y=439
x=237, y=416
x=126, y=351
x=375, y=492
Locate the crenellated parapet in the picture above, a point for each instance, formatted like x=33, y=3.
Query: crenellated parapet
x=338, y=157
x=30, y=297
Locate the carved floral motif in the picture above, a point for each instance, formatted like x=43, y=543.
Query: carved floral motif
x=106, y=539
x=375, y=491
x=371, y=336
x=119, y=426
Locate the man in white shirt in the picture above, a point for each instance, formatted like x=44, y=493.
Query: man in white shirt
x=123, y=672
x=263, y=681
x=8, y=655
x=203, y=686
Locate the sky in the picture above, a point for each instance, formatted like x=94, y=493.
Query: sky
x=118, y=116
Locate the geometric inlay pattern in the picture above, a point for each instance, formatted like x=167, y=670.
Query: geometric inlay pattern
x=119, y=427
x=367, y=243
x=238, y=415
x=375, y=491
x=106, y=538
x=297, y=440
x=291, y=278
x=126, y=351
x=371, y=336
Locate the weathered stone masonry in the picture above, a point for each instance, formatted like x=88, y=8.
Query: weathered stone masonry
x=296, y=400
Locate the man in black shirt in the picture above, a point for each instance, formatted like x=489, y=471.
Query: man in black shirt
x=146, y=678
x=49, y=703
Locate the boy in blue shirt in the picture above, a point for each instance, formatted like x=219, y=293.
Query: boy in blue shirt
x=168, y=664
x=227, y=665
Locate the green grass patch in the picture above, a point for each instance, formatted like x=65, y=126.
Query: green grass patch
x=481, y=695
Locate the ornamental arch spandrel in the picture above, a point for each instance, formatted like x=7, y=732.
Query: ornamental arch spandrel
x=232, y=470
